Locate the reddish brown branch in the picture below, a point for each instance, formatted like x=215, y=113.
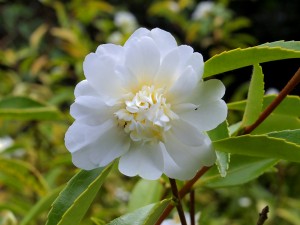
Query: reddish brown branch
x=284, y=92
x=183, y=191
x=177, y=199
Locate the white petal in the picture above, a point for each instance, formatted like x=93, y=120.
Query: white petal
x=83, y=88
x=185, y=52
x=99, y=71
x=128, y=80
x=208, y=91
x=164, y=40
x=143, y=160
x=183, y=87
x=184, y=155
x=79, y=135
x=207, y=116
x=96, y=149
x=143, y=59
x=168, y=71
x=186, y=133
x=141, y=32
x=172, y=170
x=189, y=159
x=111, y=145
x=196, y=61
x=112, y=50
x=90, y=110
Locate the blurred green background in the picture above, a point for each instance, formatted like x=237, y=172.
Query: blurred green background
x=42, y=47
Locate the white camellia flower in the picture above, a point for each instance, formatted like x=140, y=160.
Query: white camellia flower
x=145, y=103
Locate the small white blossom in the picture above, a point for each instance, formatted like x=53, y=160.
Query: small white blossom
x=145, y=103
x=176, y=220
x=126, y=21
x=5, y=142
x=115, y=37
x=203, y=9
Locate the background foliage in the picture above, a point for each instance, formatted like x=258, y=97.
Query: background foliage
x=42, y=47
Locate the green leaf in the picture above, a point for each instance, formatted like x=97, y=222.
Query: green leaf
x=277, y=122
x=255, y=96
x=238, y=58
x=289, y=106
x=223, y=158
x=292, y=136
x=144, y=193
x=26, y=109
x=260, y=146
x=147, y=215
x=20, y=174
x=242, y=170
x=73, y=202
x=292, y=45
x=42, y=205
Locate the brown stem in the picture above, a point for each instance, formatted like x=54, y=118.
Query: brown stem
x=263, y=216
x=183, y=191
x=192, y=207
x=177, y=201
x=284, y=92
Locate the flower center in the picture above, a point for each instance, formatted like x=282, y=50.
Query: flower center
x=145, y=115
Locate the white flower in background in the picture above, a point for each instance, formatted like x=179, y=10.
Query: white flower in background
x=271, y=91
x=126, y=21
x=203, y=9
x=173, y=6
x=145, y=103
x=115, y=37
x=176, y=220
x=5, y=142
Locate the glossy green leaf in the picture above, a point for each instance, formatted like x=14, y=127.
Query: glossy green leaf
x=242, y=170
x=238, y=58
x=292, y=45
x=26, y=109
x=255, y=96
x=292, y=136
x=147, y=215
x=20, y=174
x=73, y=202
x=260, y=146
x=223, y=158
x=277, y=122
x=289, y=106
x=41, y=206
x=144, y=193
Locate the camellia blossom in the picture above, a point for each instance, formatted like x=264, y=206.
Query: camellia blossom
x=146, y=104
